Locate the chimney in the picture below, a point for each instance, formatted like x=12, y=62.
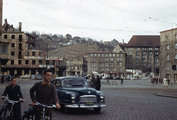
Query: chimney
x=5, y=21
x=20, y=26
x=1, y=16
x=123, y=41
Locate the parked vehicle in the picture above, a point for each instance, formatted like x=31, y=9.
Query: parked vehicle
x=26, y=76
x=36, y=77
x=73, y=92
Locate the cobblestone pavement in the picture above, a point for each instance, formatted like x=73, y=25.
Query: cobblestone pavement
x=135, y=100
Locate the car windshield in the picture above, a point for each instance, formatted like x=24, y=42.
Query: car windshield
x=72, y=82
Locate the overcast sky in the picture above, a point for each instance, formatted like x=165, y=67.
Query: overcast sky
x=98, y=19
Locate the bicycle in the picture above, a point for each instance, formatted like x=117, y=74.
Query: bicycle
x=28, y=115
x=6, y=113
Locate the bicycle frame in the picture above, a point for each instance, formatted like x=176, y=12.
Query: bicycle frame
x=8, y=107
x=44, y=117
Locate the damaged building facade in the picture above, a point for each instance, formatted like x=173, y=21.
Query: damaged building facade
x=23, y=57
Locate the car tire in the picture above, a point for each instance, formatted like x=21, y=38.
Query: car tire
x=97, y=110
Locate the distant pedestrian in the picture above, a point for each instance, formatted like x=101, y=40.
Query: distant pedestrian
x=93, y=81
x=98, y=83
x=156, y=81
x=153, y=80
x=122, y=81
x=2, y=78
x=165, y=82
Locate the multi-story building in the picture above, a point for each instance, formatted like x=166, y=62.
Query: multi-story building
x=76, y=66
x=168, y=54
x=23, y=57
x=106, y=62
x=22, y=60
x=143, y=53
x=4, y=45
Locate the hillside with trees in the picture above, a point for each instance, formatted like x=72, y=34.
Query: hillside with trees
x=58, y=44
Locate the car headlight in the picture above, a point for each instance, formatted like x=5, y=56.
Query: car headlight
x=101, y=96
x=73, y=96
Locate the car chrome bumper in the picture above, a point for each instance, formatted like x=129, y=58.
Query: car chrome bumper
x=85, y=106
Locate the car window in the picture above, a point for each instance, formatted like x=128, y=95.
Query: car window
x=73, y=82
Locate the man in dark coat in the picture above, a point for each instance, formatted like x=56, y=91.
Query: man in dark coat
x=2, y=78
x=93, y=82
x=14, y=93
x=45, y=93
x=98, y=83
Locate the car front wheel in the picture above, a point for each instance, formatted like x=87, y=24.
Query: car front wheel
x=97, y=110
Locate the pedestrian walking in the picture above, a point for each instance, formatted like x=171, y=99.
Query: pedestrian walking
x=165, y=82
x=14, y=93
x=98, y=83
x=122, y=81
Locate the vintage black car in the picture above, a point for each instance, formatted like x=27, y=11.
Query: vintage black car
x=73, y=92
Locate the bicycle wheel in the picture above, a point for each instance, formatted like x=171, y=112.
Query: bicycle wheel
x=27, y=117
x=1, y=112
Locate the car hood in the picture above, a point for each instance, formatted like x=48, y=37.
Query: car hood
x=82, y=91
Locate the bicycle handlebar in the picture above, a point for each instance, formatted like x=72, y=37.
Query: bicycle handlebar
x=43, y=105
x=12, y=101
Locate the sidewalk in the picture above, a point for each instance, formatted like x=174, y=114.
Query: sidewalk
x=170, y=91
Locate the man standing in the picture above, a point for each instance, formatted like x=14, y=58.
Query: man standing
x=44, y=92
x=98, y=83
x=14, y=93
x=122, y=81
x=2, y=78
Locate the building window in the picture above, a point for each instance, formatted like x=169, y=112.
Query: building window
x=3, y=48
x=27, y=53
x=33, y=53
x=39, y=53
x=12, y=62
x=175, y=77
x=175, y=45
x=175, y=56
x=167, y=67
x=168, y=76
x=33, y=62
x=40, y=62
x=12, y=53
x=26, y=62
x=5, y=36
x=168, y=57
x=12, y=36
x=19, y=62
x=143, y=48
x=111, y=59
x=12, y=44
x=20, y=38
x=137, y=53
x=47, y=62
x=168, y=47
x=156, y=48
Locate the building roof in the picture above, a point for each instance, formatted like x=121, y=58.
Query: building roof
x=144, y=41
x=168, y=30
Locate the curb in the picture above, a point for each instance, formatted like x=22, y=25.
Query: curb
x=161, y=95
